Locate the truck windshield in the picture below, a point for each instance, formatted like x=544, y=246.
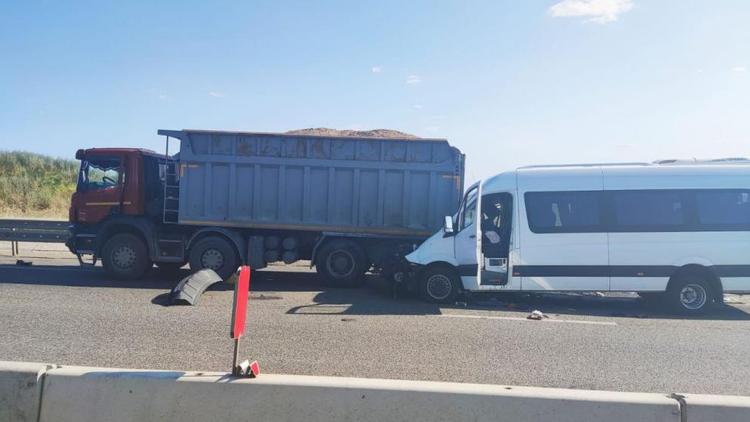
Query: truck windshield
x=99, y=173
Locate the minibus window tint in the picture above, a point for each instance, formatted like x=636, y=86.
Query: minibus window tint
x=469, y=206
x=563, y=212
x=648, y=209
x=470, y=212
x=723, y=207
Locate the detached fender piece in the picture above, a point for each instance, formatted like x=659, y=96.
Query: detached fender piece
x=190, y=288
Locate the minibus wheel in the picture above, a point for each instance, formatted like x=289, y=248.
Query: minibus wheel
x=439, y=284
x=689, y=295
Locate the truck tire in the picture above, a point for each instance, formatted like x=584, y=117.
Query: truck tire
x=439, y=284
x=342, y=263
x=125, y=256
x=689, y=295
x=216, y=253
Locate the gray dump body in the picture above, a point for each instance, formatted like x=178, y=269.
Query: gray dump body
x=333, y=184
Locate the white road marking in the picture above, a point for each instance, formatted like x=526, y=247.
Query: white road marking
x=569, y=321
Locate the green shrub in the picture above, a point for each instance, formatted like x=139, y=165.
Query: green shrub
x=35, y=185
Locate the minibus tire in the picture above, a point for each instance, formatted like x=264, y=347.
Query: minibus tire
x=125, y=257
x=689, y=295
x=435, y=282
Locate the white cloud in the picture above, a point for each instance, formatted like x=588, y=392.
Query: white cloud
x=377, y=69
x=216, y=94
x=739, y=69
x=163, y=97
x=413, y=79
x=599, y=11
x=418, y=106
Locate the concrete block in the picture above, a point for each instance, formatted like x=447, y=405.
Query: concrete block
x=710, y=408
x=96, y=394
x=20, y=390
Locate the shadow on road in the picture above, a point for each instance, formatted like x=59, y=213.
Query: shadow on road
x=57, y=275
x=68, y=275
x=375, y=298
x=622, y=305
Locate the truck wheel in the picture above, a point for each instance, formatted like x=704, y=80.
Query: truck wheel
x=215, y=253
x=439, y=284
x=689, y=295
x=342, y=263
x=125, y=256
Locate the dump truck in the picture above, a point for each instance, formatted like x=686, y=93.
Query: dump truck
x=347, y=204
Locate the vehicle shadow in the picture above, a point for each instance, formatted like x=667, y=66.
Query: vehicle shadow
x=75, y=276
x=375, y=298
x=57, y=275
x=618, y=305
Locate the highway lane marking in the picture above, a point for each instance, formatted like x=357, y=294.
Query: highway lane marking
x=568, y=321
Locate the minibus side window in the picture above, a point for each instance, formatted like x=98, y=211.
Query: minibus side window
x=638, y=210
x=564, y=212
x=723, y=208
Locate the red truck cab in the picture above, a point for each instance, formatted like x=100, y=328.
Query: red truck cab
x=119, y=192
x=109, y=182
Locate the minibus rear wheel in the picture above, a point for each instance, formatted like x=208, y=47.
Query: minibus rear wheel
x=439, y=284
x=689, y=295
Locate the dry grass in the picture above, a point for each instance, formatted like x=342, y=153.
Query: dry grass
x=35, y=185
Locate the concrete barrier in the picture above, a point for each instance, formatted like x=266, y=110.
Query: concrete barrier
x=45, y=392
x=20, y=390
x=710, y=408
x=96, y=394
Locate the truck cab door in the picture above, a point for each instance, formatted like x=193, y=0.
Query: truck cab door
x=100, y=188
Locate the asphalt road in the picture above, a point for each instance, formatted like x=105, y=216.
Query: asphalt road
x=54, y=311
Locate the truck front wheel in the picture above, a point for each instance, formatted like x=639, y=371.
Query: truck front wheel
x=125, y=256
x=342, y=263
x=215, y=253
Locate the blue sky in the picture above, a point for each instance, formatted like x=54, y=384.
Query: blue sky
x=508, y=82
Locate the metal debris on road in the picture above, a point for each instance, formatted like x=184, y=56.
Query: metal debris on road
x=190, y=288
x=536, y=315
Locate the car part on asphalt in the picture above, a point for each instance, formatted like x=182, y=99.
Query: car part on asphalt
x=190, y=288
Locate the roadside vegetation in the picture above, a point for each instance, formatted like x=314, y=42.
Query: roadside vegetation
x=35, y=185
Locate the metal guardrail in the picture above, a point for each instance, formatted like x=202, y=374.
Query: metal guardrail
x=49, y=231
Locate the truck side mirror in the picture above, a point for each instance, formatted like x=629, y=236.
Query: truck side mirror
x=448, y=225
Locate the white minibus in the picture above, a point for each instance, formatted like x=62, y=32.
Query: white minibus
x=676, y=231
